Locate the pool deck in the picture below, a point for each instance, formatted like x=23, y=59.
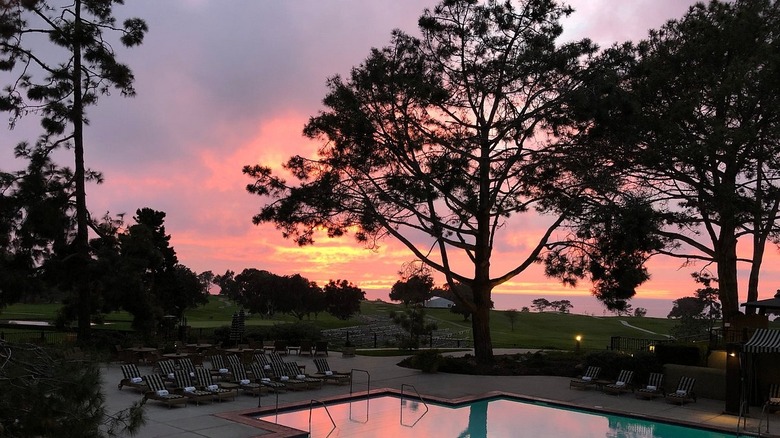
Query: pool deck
x=218, y=420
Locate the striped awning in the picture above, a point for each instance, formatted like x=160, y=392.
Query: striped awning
x=763, y=341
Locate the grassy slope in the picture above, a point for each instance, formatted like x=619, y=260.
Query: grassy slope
x=531, y=330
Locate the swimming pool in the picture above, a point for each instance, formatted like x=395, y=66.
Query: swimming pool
x=392, y=416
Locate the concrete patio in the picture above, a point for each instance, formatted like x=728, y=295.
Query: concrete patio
x=203, y=420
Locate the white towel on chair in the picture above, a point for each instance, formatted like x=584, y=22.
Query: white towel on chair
x=774, y=399
x=328, y=373
x=212, y=387
x=586, y=378
x=162, y=392
x=652, y=388
x=223, y=370
x=189, y=389
x=136, y=380
x=244, y=381
x=681, y=392
x=284, y=378
x=620, y=383
x=265, y=379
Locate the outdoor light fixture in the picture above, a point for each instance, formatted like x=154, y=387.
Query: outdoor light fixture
x=578, y=338
x=652, y=348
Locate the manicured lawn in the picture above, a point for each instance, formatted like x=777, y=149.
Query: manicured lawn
x=531, y=329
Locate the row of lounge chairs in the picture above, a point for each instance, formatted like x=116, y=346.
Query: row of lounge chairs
x=624, y=383
x=182, y=382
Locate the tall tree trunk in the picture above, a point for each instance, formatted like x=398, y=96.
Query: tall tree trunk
x=480, y=326
x=726, y=253
x=82, y=232
x=759, y=245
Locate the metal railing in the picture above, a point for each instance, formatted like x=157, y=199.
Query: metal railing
x=352, y=379
x=401, y=420
x=311, y=404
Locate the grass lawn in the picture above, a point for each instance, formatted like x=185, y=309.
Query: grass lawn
x=531, y=329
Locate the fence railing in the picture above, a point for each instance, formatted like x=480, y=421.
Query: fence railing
x=622, y=343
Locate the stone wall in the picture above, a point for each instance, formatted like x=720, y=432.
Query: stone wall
x=710, y=382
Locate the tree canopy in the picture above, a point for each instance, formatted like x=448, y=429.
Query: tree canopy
x=58, y=86
x=691, y=112
x=437, y=141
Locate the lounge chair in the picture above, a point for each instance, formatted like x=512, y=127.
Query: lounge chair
x=186, y=364
x=282, y=374
x=244, y=383
x=324, y=372
x=312, y=382
x=261, y=377
x=220, y=392
x=185, y=386
x=219, y=367
x=684, y=392
x=587, y=379
x=262, y=359
x=158, y=392
x=274, y=357
x=621, y=384
x=132, y=378
x=654, y=387
x=167, y=369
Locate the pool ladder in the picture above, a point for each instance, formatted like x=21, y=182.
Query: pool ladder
x=311, y=407
x=404, y=385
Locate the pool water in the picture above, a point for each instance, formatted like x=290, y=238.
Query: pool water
x=391, y=416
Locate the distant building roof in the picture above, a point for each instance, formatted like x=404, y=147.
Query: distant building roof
x=439, y=303
x=764, y=305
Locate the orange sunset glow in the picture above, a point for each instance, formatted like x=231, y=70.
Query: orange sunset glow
x=221, y=85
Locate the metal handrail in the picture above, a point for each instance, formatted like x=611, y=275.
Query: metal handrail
x=311, y=403
x=402, y=402
x=351, y=380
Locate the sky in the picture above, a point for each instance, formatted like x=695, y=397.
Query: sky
x=222, y=84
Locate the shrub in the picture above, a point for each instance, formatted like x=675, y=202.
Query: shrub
x=427, y=361
x=680, y=354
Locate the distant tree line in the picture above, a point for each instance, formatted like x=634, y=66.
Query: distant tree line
x=266, y=294
x=542, y=304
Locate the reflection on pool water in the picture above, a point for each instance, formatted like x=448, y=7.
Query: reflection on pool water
x=391, y=416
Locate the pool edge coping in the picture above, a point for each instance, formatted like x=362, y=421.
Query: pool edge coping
x=279, y=431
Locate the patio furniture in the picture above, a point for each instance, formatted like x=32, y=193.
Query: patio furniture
x=587, y=379
x=158, y=392
x=621, y=384
x=132, y=378
x=184, y=385
x=654, y=387
x=324, y=372
x=684, y=392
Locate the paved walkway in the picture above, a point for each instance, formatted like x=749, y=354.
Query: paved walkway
x=200, y=421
